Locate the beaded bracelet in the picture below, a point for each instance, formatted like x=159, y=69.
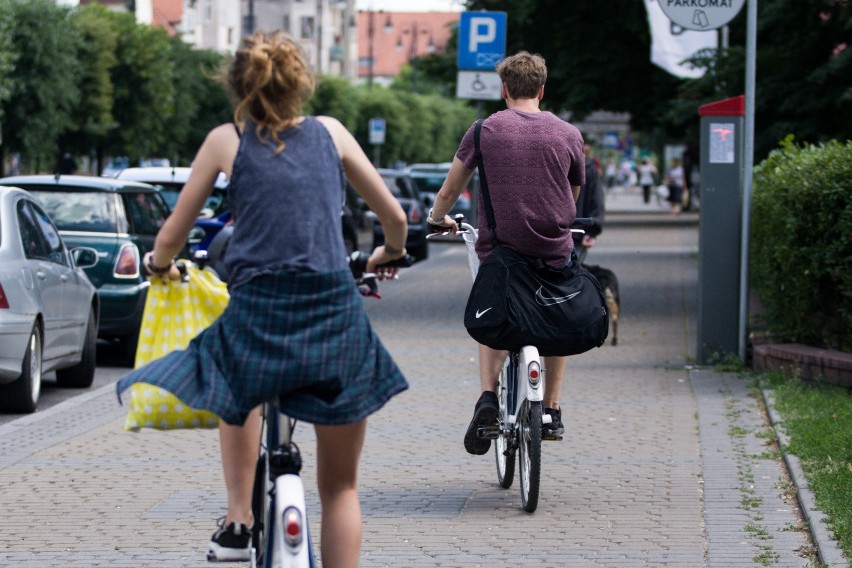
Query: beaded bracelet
x=156, y=269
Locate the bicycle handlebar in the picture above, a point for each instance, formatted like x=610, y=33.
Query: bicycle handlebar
x=368, y=281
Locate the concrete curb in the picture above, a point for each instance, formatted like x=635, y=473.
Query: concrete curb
x=829, y=552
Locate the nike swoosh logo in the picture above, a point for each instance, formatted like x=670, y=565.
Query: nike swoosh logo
x=545, y=301
x=480, y=314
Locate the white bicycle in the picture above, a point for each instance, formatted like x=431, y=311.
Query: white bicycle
x=280, y=536
x=520, y=395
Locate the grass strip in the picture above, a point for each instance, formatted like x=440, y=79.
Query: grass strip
x=817, y=418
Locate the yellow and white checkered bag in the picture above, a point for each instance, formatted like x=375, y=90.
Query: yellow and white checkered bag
x=175, y=312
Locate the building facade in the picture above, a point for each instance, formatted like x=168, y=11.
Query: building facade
x=389, y=40
x=326, y=30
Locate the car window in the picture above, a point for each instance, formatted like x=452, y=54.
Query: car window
x=147, y=212
x=80, y=211
x=170, y=192
x=51, y=235
x=429, y=183
x=398, y=186
x=32, y=240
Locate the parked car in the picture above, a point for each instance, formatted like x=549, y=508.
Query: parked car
x=430, y=177
x=48, y=307
x=120, y=220
x=170, y=180
x=403, y=188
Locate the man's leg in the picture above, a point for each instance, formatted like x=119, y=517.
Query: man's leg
x=486, y=410
x=490, y=365
x=554, y=372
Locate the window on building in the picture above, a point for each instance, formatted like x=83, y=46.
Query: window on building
x=307, y=27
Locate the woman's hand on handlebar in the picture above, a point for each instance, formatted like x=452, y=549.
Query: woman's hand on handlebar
x=381, y=257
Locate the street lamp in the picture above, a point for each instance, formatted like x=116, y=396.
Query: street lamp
x=417, y=29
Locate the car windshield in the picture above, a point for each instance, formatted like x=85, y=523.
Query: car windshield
x=79, y=211
x=170, y=191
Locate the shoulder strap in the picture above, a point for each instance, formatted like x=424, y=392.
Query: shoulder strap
x=483, y=183
x=237, y=128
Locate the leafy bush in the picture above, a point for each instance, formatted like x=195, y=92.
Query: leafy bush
x=801, y=243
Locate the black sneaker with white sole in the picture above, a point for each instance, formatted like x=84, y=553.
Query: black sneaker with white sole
x=555, y=430
x=484, y=415
x=231, y=543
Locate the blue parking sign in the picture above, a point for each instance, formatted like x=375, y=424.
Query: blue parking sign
x=482, y=40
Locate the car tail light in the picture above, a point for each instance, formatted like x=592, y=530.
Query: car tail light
x=414, y=215
x=466, y=193
x=4, y=302
x=534, y=373
x=127, y=263
x=292, y=527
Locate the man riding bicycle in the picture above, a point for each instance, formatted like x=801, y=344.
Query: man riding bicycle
x=535, y=165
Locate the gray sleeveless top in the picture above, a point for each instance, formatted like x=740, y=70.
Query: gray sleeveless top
x=286, y=206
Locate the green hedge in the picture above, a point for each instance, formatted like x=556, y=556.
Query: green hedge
x=801, y=243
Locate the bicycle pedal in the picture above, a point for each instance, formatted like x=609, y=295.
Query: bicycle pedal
x=488, y=432
x=551, y=437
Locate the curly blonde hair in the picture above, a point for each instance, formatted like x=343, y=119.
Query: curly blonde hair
x=271, y=78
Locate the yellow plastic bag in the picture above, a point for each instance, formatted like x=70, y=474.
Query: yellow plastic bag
x=175, y=312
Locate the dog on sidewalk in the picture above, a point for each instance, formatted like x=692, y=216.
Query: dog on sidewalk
x=609, y=283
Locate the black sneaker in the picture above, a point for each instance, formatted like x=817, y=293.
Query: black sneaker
x=485, y=414
x=554, y=430
x=230, y=543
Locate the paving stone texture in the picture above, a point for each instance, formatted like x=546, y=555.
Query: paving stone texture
x=663, y=463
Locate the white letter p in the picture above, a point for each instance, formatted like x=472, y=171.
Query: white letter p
x=489, y=32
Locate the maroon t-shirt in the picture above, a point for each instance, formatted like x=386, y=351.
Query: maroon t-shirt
x=531, y=161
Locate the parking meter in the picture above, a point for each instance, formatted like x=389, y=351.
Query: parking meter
x=720, y=227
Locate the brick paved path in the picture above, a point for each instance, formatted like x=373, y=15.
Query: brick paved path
x=663, y=464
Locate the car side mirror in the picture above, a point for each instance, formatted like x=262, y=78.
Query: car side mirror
x=84, y=257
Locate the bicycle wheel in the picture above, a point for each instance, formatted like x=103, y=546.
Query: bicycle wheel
x=529, y=437
x=260, y=509
x=504, y=445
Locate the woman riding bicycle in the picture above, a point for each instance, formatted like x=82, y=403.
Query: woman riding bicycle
x=295, y=325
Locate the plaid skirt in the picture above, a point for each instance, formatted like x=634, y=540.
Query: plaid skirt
x=301, y=335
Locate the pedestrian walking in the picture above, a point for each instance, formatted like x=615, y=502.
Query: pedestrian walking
x=647, y=178
x=538, y=165
x=295, y=326
x=591, y=203
x=675, y=180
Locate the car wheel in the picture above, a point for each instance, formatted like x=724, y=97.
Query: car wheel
x=82, y=374
x=22, y=394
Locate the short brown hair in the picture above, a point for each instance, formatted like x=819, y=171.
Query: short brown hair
x=523, y=74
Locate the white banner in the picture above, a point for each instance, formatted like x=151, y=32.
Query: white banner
x=671, y=44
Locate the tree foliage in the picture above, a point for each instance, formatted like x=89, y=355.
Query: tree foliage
x=144, y=89
x=7, y=53
x=599, y=58
x=44, y=89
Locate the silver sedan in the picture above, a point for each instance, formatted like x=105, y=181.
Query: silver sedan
x=48, y=307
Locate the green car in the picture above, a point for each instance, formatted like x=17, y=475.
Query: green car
x=117, y=218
